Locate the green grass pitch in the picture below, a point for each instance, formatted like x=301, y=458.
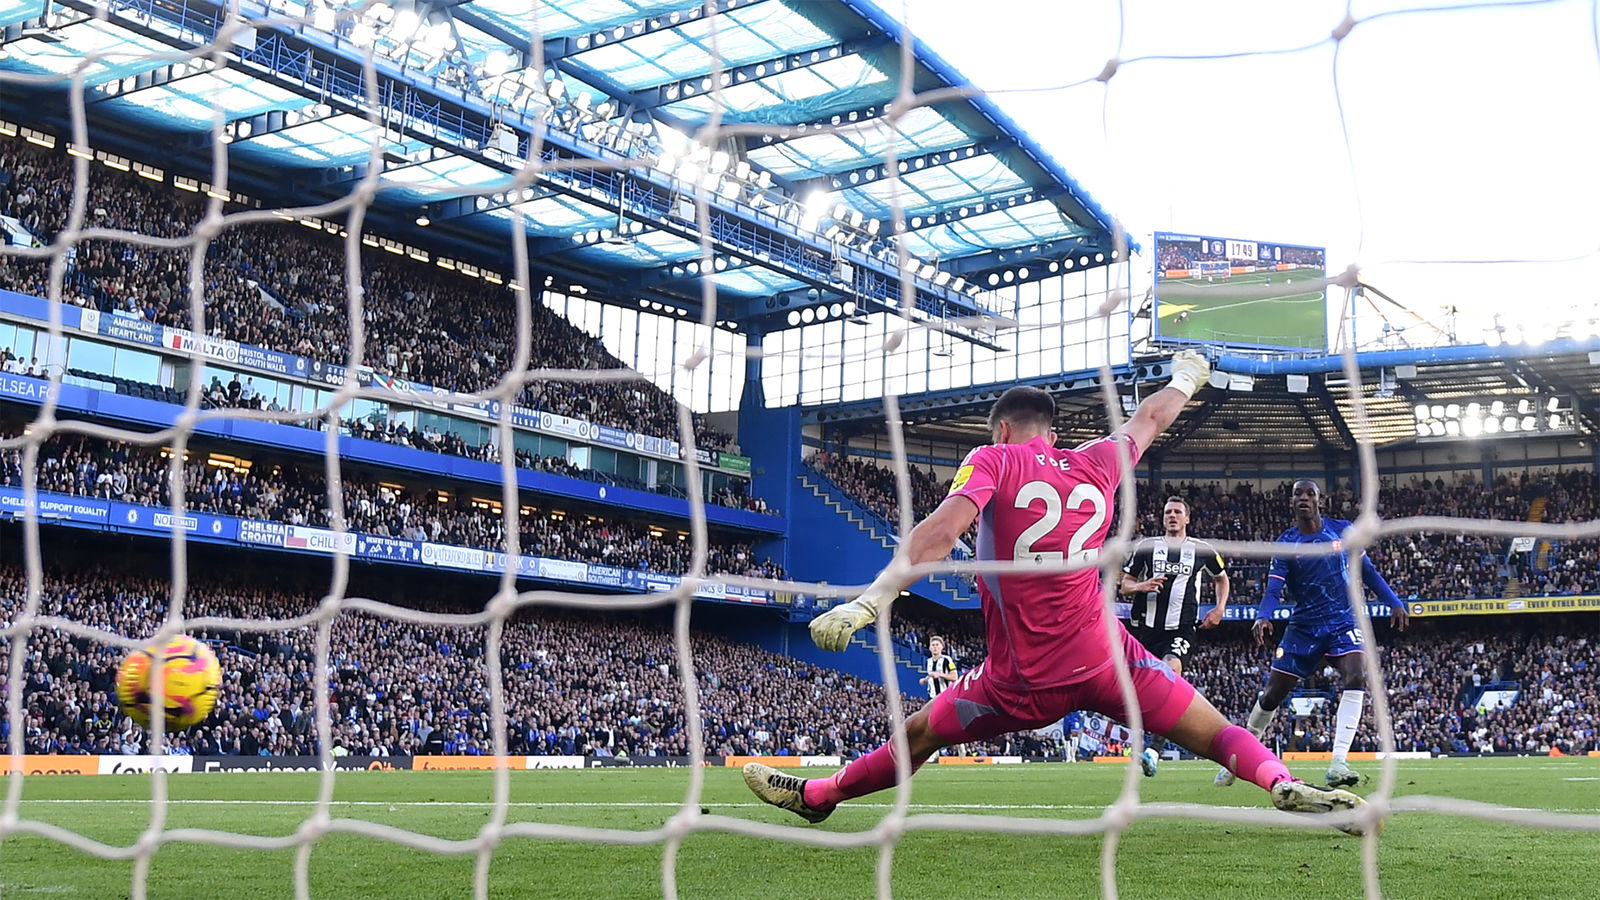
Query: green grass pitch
x=1422, y=855
x=1232, y=310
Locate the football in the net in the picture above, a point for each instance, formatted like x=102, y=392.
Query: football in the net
x=191, y=678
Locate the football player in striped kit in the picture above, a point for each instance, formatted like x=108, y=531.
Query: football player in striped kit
x=1163, y=576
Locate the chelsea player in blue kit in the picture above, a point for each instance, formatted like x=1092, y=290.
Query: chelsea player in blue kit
x=1321, y=625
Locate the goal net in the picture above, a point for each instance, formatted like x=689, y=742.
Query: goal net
x=77, y=272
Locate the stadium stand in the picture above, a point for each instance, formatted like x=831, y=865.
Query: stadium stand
x=298, y=495
x=576, y=684
x=268, y=285
x=591, y=684
x=1437, y=675
x=1428, y=566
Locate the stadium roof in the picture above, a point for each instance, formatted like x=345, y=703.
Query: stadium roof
x=466, y=90
x=1265, y=413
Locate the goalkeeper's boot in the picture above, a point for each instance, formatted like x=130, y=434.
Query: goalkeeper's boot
x=1224, y=778
x=782, y=791
x=1341, y=775
x=1148, y=760
x=1297, y=796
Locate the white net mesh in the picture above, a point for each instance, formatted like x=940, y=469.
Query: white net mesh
x=898, y=819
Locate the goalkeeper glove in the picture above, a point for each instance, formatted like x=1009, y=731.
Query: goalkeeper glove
x=832, y=629
x=1189, y=371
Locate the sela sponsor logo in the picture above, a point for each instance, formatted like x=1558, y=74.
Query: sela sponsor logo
x=138, y=765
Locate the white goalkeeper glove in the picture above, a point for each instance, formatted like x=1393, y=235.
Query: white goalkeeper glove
x=1189, y=371
x=832, y=629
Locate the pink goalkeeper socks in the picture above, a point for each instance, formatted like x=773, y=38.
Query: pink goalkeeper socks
x=1248, y=758
x=866, y=775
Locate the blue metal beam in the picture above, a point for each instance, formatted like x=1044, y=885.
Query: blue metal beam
x=473, y=204
x=689, y=269
x=557, y=55
x=854, y=117
x=561, y=48
x=938, y=405
x=684, y=88
x=119, y=88
x=323, y=69
x=273, y=121
x=981, y=207
x=1006, y=257
x=1078, y=200
x=1244, y=365
x=848, y=178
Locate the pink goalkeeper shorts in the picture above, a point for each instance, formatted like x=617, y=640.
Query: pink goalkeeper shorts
x=975, y=708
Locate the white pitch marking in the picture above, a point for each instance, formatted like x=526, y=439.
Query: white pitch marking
x=603, y=804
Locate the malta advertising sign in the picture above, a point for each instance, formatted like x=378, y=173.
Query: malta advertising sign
x=206, y=345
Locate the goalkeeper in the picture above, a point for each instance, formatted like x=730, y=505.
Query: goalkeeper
x=1047, y=648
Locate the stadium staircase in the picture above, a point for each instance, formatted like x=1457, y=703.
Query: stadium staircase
x=1541, y=551
x=860, y=532
x=909, y=668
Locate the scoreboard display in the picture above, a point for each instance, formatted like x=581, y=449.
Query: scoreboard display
x=1239, y=293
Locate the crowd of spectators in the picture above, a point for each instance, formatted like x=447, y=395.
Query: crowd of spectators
x=1429, y=566
x=282, y=287
x=591, y=684
x=609, y=685
x=1433, y=681
x=1433, y=677
x=298, y=495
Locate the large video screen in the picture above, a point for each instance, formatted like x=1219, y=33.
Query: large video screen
x=1240, y=293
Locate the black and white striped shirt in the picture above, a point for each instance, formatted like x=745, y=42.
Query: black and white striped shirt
x=1182, y=563
x=943, y=665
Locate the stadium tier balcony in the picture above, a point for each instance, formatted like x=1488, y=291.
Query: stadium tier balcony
x=282, y=287
x=574, y=684
x=296, y=494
